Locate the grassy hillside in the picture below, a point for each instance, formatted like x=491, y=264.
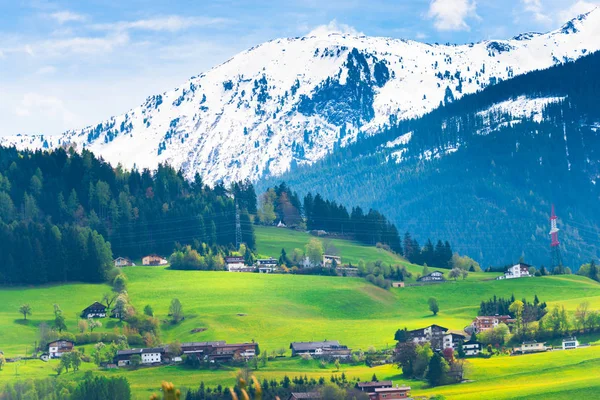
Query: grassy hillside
x=277, y=309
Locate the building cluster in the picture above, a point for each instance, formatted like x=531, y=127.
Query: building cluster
x=377, y=390
x=149, y=260
x=269, y=265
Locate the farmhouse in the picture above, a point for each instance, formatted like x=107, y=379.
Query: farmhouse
x=154, y=259
x=397, y=392
x=237, y=264
x=266, y=262
x=398, y=284
x=147, y=356
x=435, y=276
x=432, y=333
x=123, y=262
x=371, y=386
x=520, y=270
x=330, y=261
x=59, y=347
x=472, y=348
x=96, y=310
x=485, y=323
x=531, y=347
x=324, y=349
x=220, y=351
x=570, y=343
x=452, y=340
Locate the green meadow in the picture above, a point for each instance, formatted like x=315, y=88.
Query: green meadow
x=277, y=309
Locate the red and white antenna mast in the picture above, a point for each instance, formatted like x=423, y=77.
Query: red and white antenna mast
x=554, y=244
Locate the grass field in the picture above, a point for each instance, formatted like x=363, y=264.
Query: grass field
x=277, y=309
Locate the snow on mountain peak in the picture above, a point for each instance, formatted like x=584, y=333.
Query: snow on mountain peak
x=291, y=101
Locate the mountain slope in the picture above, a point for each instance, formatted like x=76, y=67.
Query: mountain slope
x=292, y=101
x=484, y=170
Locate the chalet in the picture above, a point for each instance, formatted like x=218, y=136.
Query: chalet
x=147, y=356
x=453, y=339
x=520, y=270
x=570, y=343
x=435, y=276
x=123, y=262
x=433, y=334
x=154, y=259
x=324, y=349
x=266, y=262
x=331, y=261
x=531, y=347
x=398, y=284
x=96, y=310
x=305, y=395
x=396, y=392
x=266, y=270
x=199, y=348
x=59, y=347
x=472, y=348
x=237, y=264
x=485, y=323
x=371, y=386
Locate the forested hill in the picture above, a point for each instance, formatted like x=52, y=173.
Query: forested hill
x=483, y=171
x=59, y=209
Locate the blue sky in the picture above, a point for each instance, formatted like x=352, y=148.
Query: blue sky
x=68, y=64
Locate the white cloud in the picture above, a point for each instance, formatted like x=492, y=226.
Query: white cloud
x=451, y=15
x=334, y=27
x=82, y=45
x=535, y=8
x=172, y=23
x=67, y=16
x=579, y=7
x=421, y=36
x=46, y=70
x=36, y=104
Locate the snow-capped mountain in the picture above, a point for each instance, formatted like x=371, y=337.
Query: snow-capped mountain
x=293, y=100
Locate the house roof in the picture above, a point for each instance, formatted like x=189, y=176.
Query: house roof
x=154, y=255
x=140, y=351
x=234, y=259
x=198, y=344
x=306, y=395
x=374, y=384
x=95, y=305
x=393, y=389
x=303, y=346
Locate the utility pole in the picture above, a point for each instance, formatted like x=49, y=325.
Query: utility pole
x=238, y=227
x=555, y=244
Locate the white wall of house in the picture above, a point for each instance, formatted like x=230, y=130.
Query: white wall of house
x=471, y=349
x=150, y=358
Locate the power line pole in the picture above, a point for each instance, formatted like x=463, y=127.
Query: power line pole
x=238, y=227
x=555, y=244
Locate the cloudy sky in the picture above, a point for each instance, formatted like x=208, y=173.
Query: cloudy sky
x=68, y=64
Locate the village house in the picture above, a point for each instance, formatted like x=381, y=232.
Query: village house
x=266, y=262
x=433, y=334
x=520, y=270
x=154, y=260
x=123, y=262
x=96, y=310
x=435, y=276
x=485, y=323
x=305, y=395
x=398, y=284
x=59, y=347
x=237, y=264
x=45, y=357
x=397, y=392
x=471, y=348
x=570, y=343
x=347, y=271
x=330, y=261
x=531, y=347
x=147, y=356
x=371, y=386
x=324, y=349
x=453, y=339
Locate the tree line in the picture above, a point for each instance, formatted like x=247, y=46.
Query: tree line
x=59, y=211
